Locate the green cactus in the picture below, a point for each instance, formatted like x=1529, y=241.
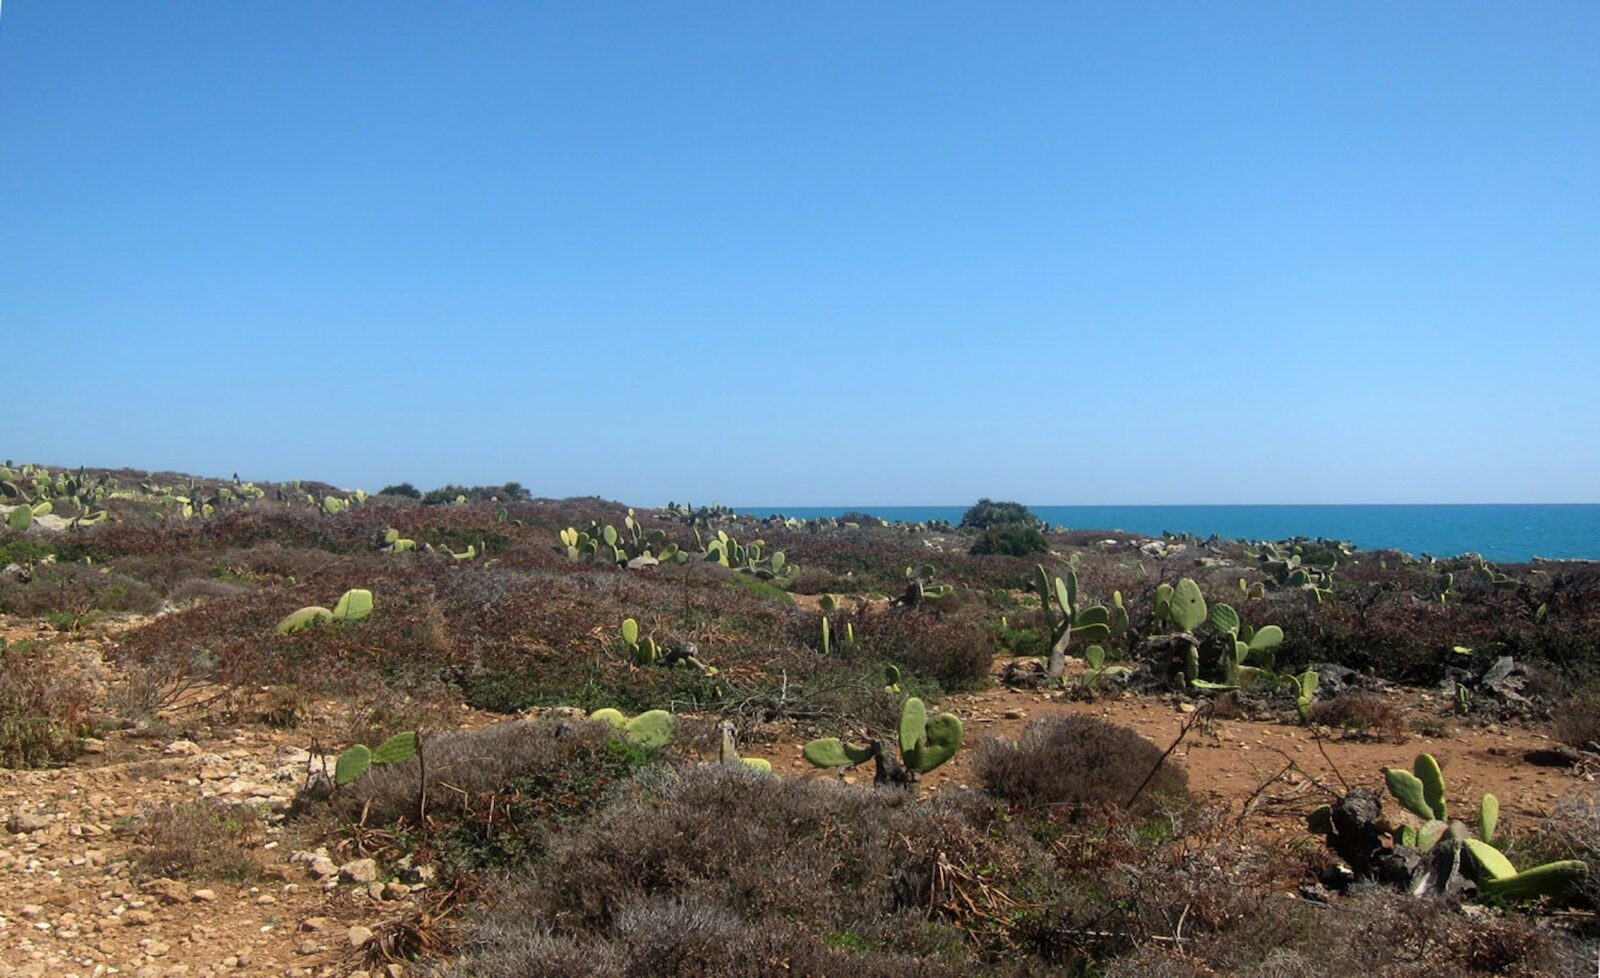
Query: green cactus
x=358, y=758
x=354, y=605
x=21, y=518
x=1187, y=606
x=610, y=715
x=1410, y=791
x=833, y=752
x=652, y=729
x=1498, y=878
x=923, y=745
x=304, y=618
x=1066, y=620
x=352, y=764
x=1488, y=817
x=1305, y=688
x=1095, y=658
x=400, y=747
x=891, y=675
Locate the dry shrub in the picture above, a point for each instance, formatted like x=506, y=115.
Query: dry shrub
x=718, y=871
x=954, y=649
x=494, y=795
x=672, y=939
x=1075, y=762
x=815, y=852
x=1367, y=714
x=203, y=840
x=1577, y=721
x=463, y=765
x=44, y=708
x=76, y=589
x=1379, y=934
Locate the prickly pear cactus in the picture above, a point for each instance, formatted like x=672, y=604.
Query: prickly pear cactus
x=400, y=747
x=1187, y=605
x=651, y=729
x=354, y=605
x=352, y=764
x=304, y=618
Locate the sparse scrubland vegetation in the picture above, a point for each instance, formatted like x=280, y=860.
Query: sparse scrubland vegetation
x=617, y=734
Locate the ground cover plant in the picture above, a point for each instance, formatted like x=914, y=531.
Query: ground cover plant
x=507, y=644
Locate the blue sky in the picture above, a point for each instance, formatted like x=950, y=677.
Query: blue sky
x=811, y=253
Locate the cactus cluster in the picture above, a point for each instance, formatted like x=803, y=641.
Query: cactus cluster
x=36, y=491
x=354, y=605
x=1288, y=569
x=651, y=730
x=1421, y=791
x=644, y=651
x=633, y=546
x=830, y=604
x=358, y=759
x=922, y=743
x=1241, y=654
x=1066, y=619
x=604, y=542
x=395, y=543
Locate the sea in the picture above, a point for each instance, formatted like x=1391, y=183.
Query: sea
x=1501, y=532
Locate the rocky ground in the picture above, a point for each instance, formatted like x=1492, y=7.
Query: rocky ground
x=73, y=902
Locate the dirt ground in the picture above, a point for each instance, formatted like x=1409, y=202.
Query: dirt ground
x=71, y=906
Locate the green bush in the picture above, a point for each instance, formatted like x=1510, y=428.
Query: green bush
x=988, y=512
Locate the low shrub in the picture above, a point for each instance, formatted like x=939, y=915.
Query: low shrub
x=1011, y=540
x=1364, y=713
x=1577, y=721
x=44, y=708
x=495, y=793
x=956, y=650
x=1379, y=934
x=201, y=840
x=1077, y=763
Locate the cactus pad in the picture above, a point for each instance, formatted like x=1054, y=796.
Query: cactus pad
x=1188, y=605
x=354, y=605
x=400, y=747
x=352, y=764
x=304, y=618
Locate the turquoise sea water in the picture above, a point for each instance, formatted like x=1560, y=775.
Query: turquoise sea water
x=1500, y=532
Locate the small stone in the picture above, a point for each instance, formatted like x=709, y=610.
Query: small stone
x=204, y=896
x=23, y=824
x=138, y=918
x=167, y=891
x=359, y=935
x=359, y=871
x=322, y=867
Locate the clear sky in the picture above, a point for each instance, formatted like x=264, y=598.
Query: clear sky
x=810, y=253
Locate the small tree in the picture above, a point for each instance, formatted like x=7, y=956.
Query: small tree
x=987, y=512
